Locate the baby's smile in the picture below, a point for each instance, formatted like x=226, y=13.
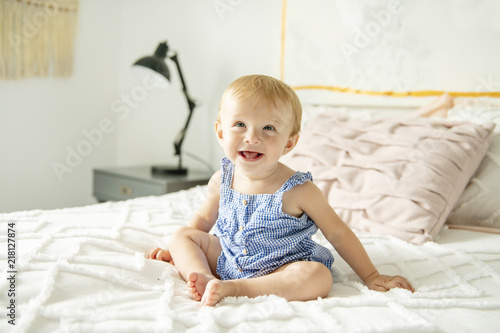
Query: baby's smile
x=250, y=155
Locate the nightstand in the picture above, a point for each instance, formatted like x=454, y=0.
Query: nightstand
x=131, y=182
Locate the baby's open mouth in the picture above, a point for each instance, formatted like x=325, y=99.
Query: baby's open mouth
x=251, y=155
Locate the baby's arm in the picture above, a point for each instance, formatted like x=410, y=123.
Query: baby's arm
x=203, y=219
x=311, y=200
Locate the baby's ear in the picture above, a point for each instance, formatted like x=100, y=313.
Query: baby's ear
x=291, y=143
x=218, y=132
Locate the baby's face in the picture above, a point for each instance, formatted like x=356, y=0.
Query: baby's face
x=255, y=136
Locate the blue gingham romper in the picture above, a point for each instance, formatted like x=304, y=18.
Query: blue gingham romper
x=256, y=236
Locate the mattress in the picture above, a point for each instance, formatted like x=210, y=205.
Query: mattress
x=84, y=269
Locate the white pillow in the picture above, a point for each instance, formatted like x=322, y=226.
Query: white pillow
x=479, y=205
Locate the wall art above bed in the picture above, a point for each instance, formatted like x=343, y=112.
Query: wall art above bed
x=394, y=48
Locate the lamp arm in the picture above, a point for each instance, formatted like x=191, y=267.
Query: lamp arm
x=191, y=104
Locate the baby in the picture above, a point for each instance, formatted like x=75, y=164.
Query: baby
x=264, y=213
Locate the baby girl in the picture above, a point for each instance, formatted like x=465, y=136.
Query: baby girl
x=263, y=212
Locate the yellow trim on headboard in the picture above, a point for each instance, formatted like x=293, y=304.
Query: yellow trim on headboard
x=421, y=93
x=283, y=30
x=418, y=93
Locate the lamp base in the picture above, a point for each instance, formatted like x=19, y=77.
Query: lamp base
x=168, y=170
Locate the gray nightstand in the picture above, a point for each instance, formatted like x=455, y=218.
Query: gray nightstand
x=126, y=183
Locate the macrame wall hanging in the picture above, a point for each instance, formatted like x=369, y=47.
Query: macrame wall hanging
x=37, y=38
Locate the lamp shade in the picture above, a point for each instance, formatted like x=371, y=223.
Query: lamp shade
x=155, y=66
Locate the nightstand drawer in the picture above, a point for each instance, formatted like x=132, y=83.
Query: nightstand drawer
x=107, y=187
x=132, y=182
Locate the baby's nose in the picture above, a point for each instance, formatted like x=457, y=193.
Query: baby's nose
x=252, y=137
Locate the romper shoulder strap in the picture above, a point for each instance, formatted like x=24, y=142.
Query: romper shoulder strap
x=298, y=178
x=227, y=169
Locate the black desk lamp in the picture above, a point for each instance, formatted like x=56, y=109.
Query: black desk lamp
x=155, y=65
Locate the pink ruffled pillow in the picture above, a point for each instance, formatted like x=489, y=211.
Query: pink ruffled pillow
x=399, y=177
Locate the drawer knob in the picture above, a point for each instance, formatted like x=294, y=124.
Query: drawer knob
x=125, y=190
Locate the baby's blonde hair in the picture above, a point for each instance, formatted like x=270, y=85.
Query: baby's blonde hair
x=268, y=89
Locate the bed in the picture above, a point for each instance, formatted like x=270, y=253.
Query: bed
x=84, y=270
x=420, y=193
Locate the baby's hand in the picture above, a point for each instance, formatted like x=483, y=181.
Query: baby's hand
x=160, y=254
x=385, y=283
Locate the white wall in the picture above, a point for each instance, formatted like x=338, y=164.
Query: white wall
x=215, y=45
x=41, y=120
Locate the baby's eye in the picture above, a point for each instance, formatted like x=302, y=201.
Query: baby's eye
x=269, y=128
x=239, y=124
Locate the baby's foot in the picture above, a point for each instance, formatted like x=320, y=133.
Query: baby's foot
x=216, y=290
x=196, y=283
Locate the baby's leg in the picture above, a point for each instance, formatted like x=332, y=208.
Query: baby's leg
x=195, y=253
x=297, y=281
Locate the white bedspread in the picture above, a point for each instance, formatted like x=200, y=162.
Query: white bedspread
x=84, y=270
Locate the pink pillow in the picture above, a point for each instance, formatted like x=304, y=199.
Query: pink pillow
x=399, y=177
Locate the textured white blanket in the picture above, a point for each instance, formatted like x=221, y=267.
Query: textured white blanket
x=84, y=270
